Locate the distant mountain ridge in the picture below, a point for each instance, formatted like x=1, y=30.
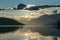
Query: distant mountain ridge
x=30, y=7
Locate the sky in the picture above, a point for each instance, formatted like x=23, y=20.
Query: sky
x=11, y=3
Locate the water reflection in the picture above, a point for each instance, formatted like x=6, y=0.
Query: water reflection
x=21, y=35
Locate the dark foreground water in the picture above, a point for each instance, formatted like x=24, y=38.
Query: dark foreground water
x=27, y=34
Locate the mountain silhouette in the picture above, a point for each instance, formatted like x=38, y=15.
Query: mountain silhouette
x=21, y=6
x=5, y=22
x=46, y=25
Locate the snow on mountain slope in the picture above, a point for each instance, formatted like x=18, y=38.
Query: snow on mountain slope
x=28, y=5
